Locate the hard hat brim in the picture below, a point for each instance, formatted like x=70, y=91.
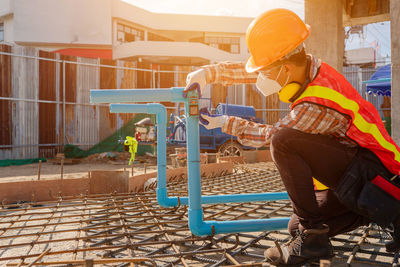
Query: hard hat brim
x=251, y=65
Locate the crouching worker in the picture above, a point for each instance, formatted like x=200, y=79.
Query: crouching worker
x=331, y=134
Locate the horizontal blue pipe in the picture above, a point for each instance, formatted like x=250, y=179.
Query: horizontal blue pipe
x=255, y=225
x=205, y=228
x=136, y=95
x=238, y=198
x=150, y=108
x=378, y=81
x=244, y=198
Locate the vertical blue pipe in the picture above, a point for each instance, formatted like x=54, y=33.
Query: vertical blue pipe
x=161, y=117
x=196, y=221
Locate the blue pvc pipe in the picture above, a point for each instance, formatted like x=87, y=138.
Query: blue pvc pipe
x=161, y=117
x=378, y=80
x=103, y=96
x=240, y=226
x=136, y=95
x=196, y=222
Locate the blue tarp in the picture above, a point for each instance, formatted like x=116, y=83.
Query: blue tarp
x=380, y=81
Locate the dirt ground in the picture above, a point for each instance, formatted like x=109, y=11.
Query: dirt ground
x=53, y=171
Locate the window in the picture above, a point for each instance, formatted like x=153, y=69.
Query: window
x=228, y=44
x=121, y=36
x=127, y=33
x=225, y=47
x=129, y=37
x=235, y=48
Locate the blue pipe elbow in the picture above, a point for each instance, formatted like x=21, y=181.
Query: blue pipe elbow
x=159, y=110
x=163, y=199
x=196, y=223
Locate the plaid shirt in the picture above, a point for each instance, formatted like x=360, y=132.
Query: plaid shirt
x=305, y=117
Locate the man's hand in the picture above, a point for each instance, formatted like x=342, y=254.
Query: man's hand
x=195, y=80
x=211, y=121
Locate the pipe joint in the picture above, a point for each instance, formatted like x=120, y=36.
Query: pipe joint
x=164, y=200
x=197, y=225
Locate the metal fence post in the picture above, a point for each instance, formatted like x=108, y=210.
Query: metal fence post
x=360, y=80
x=63, y=88
x=58, y=112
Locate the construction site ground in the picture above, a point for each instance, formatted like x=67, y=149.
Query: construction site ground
x=116, y=229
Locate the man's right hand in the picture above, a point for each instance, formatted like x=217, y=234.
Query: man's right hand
x=195, y=80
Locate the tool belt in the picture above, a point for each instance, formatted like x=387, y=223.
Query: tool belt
x=369, y=189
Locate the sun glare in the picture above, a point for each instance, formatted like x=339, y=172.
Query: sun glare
x=235, y=8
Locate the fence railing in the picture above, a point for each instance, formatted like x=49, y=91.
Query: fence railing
x=44, y=98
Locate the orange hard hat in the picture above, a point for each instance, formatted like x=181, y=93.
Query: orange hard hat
x=273, y=35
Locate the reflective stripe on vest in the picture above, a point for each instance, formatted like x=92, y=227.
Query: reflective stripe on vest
x=366, y=128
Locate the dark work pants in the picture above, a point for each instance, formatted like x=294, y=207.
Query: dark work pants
x=299, y=157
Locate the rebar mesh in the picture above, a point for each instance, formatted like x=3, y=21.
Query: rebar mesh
x=127, y=229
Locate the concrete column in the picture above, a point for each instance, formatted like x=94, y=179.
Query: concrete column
x=114, y=33
x=327, y=34
x=395, y=56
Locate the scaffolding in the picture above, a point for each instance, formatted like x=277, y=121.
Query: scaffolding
x=132, y=229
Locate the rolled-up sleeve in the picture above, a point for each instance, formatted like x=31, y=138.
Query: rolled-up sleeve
x=228, y=73
x=305, y=117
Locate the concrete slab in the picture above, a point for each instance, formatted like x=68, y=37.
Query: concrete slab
x=37, y=191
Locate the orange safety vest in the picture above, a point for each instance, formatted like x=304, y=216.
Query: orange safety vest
x=332, y=90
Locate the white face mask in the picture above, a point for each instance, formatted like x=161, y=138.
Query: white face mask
x=268, y=86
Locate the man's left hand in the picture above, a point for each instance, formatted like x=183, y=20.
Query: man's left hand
x=211, y=121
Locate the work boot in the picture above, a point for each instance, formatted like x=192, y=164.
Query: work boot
x=307, y=245
x=394, y=245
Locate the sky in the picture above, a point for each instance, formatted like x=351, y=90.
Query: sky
x=374, y=35
x=239, y=8
x=378, y=32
